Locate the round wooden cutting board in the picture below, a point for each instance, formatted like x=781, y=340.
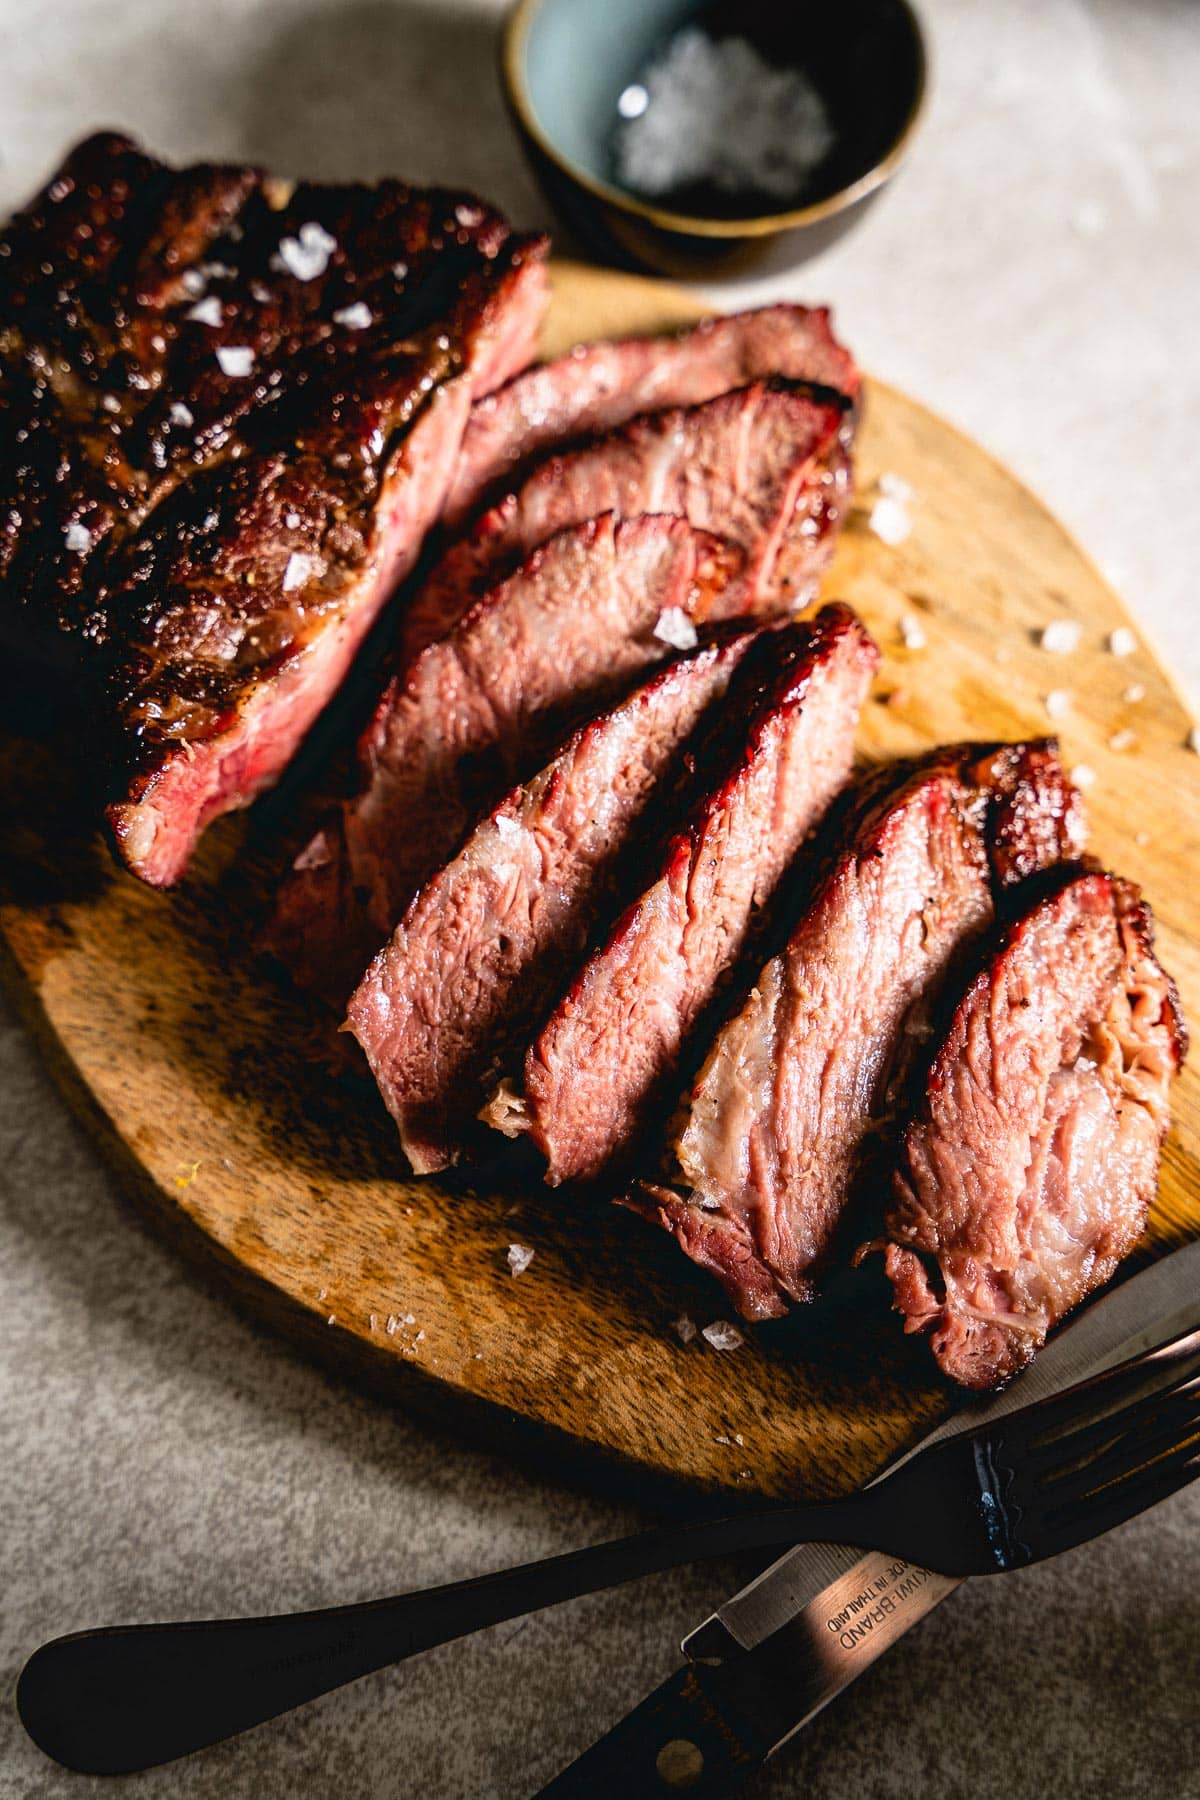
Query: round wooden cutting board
x=193, y=1066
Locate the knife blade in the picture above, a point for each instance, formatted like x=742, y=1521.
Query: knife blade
x=778, y=1651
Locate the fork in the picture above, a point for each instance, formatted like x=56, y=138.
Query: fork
x=1006, y=1494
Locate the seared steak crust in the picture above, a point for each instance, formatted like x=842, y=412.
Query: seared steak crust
x=793, y=1100
x=602, y=385
x=488, y=941
x=477, y=709
x=1032, y=1160
x=210, y=390
x=602, y=1061
x=765, y=466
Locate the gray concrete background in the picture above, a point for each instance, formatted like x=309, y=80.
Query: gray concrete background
x=1035, y=276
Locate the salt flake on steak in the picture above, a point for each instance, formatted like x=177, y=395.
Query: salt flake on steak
x=78, y=538
x=519, y=1258
x=236, y=360
x=299, y=569
x=675, y=628
x=355, y=318
x=306, y=256
x=205, y=312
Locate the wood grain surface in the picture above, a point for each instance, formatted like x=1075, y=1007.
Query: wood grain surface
x=196, y=1071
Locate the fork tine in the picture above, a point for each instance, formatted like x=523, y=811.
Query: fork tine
x=1065, y=1453
x=1113, y=1506
x=1160, y=1434
x=1081, y=1402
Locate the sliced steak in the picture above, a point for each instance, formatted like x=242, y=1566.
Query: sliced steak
x=487, y=943
x=605, y=1056
x=230, y=409
x=600, y=386
x=765, y=467
x=790, y=1109
x=1028, y=1169
x=480, y=707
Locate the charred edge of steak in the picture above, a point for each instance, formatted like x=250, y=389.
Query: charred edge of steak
x=202, y=438
x=598, y=386
x=487, y=941
x=477, y=709
x=1062, y=1049
x=593, y=1085
x=762, y=1200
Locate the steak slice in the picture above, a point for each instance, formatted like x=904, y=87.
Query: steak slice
x=786, y=1115
x=487, y=943
x=231, y=409
x=765, y=467
x=600, y=386
x=476, y=710
x=601, y=1062
x=1029, y=1167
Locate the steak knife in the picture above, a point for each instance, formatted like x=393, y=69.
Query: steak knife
x=768, y=1660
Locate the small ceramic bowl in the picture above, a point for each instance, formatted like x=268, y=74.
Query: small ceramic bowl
x=565, y=65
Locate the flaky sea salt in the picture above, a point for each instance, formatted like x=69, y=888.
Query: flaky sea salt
x=1061, y=637
x=192, y=282
x=1122, y=641
x=1057, y=703
x=205, y=312
x=307, y=254
x=1083, y=775
x=354, y=318
x=78, y=538
x=1122, y=740
x=180, y=414
x=299, y=568
x=890, y=520
x=716, y=112
x=685, y=1328
x=519, y=1258
x=316, y=854
x=110, y=403
x=507, y=827
x=400, y=271
x=675, y=628
x=236, y=360
x=912, y=633
x=1133, y=693
x=291, y=520
x=895, y=487
x=722, y=1335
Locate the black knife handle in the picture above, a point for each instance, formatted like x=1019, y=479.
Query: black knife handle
x=676, y=1742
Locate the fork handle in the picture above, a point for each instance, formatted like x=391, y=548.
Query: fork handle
x=112, y=1701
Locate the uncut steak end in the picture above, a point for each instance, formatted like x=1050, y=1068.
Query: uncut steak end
x=230, y=411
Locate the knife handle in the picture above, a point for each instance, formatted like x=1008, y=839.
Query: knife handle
x=676, y=1742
